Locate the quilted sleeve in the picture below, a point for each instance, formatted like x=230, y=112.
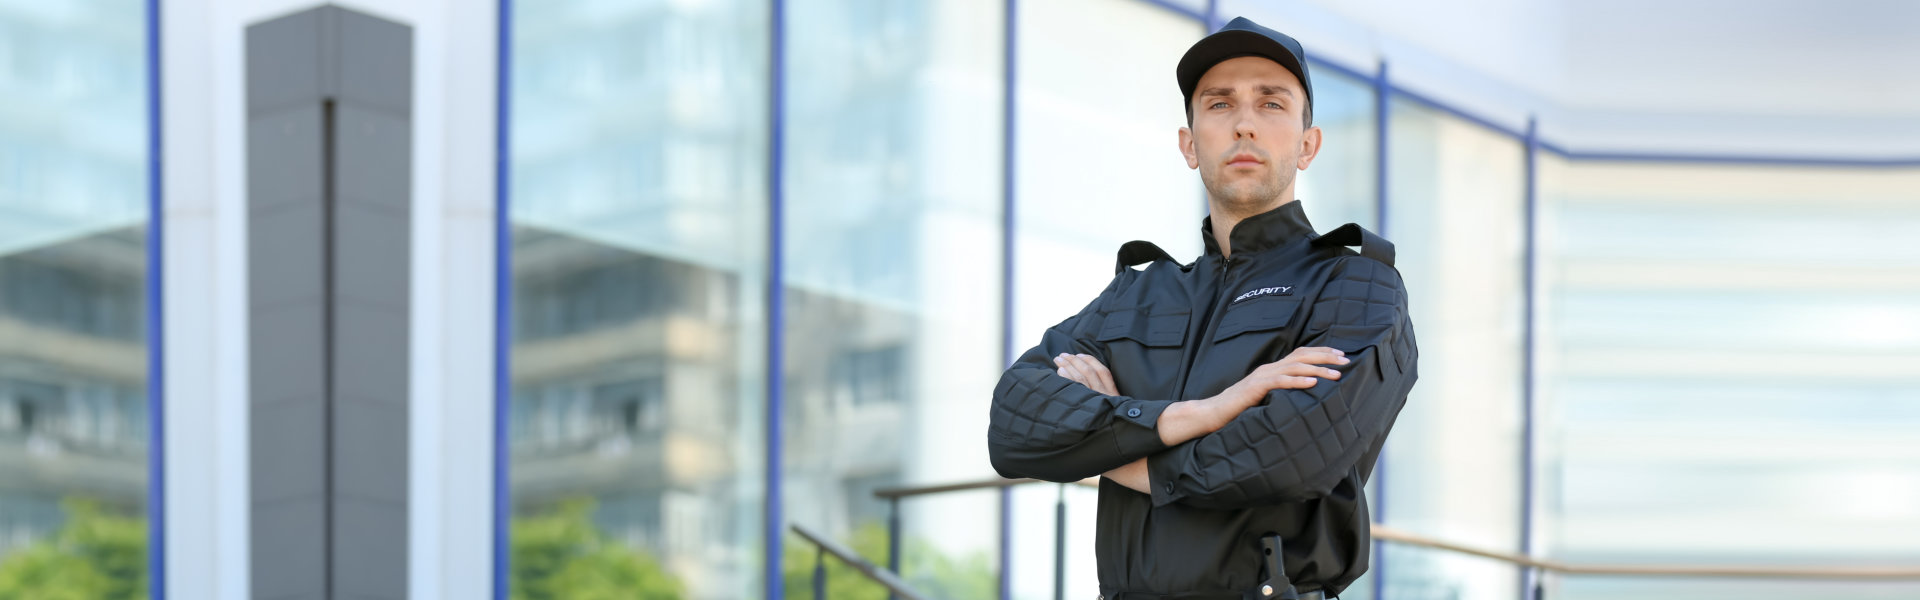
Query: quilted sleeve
x=1048, y=427
x=1299, y=444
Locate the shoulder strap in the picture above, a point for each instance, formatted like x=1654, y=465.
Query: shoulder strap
x=1137, y=252
x=1371, y=245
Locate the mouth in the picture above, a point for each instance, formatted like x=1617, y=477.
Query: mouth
x=1244, y=160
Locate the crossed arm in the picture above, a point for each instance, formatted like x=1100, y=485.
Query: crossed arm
x=1289, y=431
x=1183, y=421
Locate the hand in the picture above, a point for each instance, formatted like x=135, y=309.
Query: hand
x=1299, y=370
x=1088, y=371
x=1184, y=421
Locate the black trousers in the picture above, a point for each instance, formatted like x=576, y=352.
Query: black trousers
x=1202, y=596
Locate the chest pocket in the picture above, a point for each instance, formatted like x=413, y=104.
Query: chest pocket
x=1263, y=313
x=1150, y=326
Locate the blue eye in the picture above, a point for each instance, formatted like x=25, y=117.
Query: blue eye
x=1274, y=104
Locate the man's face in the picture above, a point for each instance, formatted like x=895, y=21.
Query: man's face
x=1249, y=137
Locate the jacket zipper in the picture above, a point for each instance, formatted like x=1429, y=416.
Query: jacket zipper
x=1207, y=327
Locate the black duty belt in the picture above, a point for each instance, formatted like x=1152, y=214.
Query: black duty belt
x=1204, y=596
x=1276, y=586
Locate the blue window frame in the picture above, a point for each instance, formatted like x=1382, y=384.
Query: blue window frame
x=1384, y=90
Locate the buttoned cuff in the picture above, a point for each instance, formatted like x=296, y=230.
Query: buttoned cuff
x=1161, y=471
x=1136, y=426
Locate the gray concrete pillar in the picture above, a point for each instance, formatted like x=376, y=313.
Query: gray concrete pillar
x=328, y=159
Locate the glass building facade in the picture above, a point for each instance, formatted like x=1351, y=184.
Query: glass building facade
x=764, y=259
x=1727, y=372
x=1587, y=393
x=1456, y=205
x=892, y=195
x=639, y=184
x=74, y=328
x=1091, y=103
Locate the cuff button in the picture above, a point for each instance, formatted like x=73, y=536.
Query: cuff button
x=1133, y=412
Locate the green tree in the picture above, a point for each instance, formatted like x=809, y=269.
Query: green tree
x=926, y=569
x=95, y=555
x=561, y=555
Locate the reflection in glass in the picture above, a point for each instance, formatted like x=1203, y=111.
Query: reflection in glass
x=1098, y=151
x=1727, y=368
x=638, y=192
x=73, y=352
x=1099, y=165
x=1340, y=186
x=893, y=195
x=1453, y=461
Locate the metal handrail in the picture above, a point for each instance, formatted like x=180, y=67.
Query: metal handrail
x=1390, y=534
x=873, y=573
x=1728, y=571
x=909, y=492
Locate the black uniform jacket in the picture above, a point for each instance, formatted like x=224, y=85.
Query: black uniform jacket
x=1295, y=466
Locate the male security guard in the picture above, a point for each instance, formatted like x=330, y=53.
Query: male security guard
x=1235, y=404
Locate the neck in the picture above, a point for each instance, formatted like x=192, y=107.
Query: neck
x=1226, y=217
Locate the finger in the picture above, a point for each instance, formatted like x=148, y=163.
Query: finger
x=1324, y=358
x=1317, y=357
x=1068, y=372
x=1100, y=370
x=1086, y=366
x=1320, y=350
x=1070, y=365
x=1306, y=370
x=1066, y=363
x=1063, y=368
x=1292, y=382
x=1089, y=363
x=1291, y=367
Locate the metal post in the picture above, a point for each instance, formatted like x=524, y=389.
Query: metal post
x=502, y=303
x=819, y=573
x=893, y=538
x=1006, y=541
x=1060, y=546
x=1382, y=91
x=775, y=519
x=156, y=322
x=1009, y=138
x=1529, y=578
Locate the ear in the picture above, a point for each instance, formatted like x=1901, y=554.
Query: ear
x=1309, y=147
x=1187, y=150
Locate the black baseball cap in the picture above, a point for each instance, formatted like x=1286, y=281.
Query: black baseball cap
x=1241, y=37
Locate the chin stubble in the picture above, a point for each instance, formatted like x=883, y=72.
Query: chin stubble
x=1249, y=195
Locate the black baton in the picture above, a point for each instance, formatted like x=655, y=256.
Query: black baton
x=1277, y=584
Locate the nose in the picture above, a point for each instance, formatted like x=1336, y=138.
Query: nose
x=1243, y=127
